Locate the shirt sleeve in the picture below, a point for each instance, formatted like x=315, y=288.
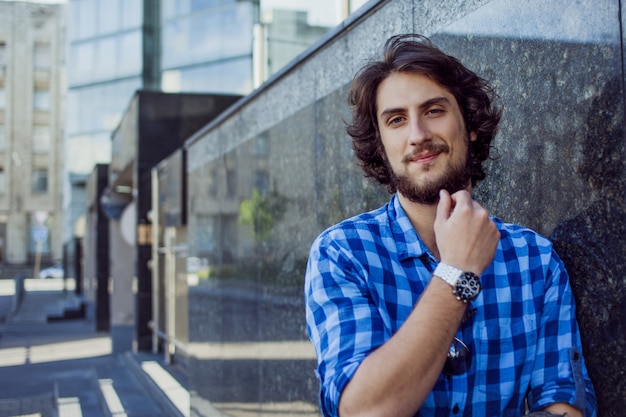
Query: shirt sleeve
x=559, y=373
x=342, y=322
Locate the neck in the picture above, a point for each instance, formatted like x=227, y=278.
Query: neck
x=422, y=217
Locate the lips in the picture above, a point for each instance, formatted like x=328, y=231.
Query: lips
x=426, y=155
x=425, y=158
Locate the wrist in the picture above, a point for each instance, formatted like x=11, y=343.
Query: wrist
x=465, y=285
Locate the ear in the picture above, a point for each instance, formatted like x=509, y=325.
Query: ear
x=473, y=136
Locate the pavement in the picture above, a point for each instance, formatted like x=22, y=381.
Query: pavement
x=64, y=368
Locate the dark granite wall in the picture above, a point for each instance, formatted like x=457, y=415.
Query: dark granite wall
x=269, y=177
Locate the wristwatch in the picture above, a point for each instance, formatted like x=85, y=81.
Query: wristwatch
x=465, y=285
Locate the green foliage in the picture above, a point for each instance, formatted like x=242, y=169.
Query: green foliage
x=262, y=213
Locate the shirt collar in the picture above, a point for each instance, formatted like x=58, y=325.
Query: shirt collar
x=407, y=241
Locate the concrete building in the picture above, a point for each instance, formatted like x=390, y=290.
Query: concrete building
x=32, y=85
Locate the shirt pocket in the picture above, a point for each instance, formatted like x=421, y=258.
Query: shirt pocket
x=505, y=352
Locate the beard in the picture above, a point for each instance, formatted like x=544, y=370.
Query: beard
x=455, y=178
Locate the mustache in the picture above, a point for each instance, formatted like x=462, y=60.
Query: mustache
x=426, y=148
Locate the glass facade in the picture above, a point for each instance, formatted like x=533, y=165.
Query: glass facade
x=105, y=68
x=207, y=46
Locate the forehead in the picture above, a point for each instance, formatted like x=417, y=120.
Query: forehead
x=405, y=89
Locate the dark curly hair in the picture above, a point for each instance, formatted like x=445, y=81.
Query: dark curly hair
x=416, y=54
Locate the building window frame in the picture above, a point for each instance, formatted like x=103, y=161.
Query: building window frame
x=40, y=178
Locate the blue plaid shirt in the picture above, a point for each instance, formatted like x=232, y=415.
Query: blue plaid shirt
x=365, y=275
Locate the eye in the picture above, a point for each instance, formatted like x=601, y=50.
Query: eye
x=435, y=111
x=395, y=120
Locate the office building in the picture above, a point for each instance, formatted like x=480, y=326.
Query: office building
x=32, y=87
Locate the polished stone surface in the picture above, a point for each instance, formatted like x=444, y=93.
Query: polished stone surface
x=271, y=176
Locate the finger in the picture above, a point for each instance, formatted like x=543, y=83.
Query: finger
x=462, y=197
x=445, y=205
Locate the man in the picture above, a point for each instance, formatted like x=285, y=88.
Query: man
x=427, y=306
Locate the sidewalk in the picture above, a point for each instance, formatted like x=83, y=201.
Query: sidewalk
x=68, y=364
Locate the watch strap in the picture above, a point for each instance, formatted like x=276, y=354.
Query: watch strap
x=448, y=273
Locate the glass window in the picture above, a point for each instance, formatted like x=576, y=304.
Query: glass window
x=41, y=99
x=3, y=137
x=83, y=56
x=3, y=51
x=231, y=77
x=132, y=14
x=107, y=58
x=41, y=55
x=219, y=33
x=85, y=18
x=41, y=139
x=174, y=8
x=3, y=186
x=130, y=53
x=40, y=181
x=196, y=5
x=108, y=16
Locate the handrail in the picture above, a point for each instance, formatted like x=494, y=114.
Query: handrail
x=169, y=340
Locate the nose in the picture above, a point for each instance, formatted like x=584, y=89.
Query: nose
x=419, y=131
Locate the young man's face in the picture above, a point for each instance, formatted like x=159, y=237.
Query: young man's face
x=424, y=137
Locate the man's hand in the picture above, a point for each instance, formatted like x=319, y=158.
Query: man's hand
x=466, y=237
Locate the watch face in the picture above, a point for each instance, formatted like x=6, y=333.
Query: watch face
x=467, y=287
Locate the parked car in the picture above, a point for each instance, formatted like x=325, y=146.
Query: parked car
x=55, y=271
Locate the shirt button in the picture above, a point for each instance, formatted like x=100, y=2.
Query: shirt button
x=456, y=409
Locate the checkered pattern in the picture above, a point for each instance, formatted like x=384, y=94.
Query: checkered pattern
x=365, y=275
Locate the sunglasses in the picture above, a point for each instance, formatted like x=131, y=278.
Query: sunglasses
x=459, y=358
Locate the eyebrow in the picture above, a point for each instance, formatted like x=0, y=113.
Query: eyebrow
x=426, y=104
